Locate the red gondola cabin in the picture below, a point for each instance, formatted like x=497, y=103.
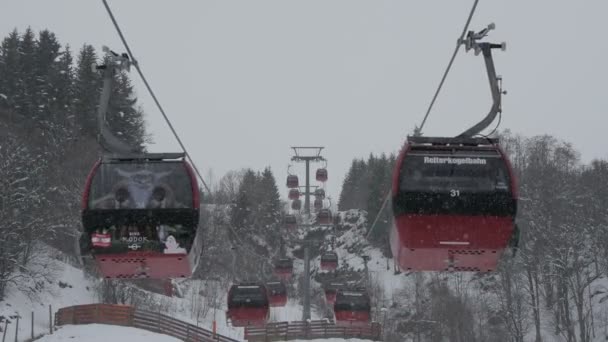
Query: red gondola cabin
x=352, y=308
x=296, y=204
x=292, y=181
x=454, y=204
x=140, y=216
x=320, y=194
x=290, y=222
x=318, y=204
x=331, y=291
x=329, y=261
x=283, y=268
x=277, y=293
x=324, y=217
x=294, y=194
x=321, y=175
x=248, y=304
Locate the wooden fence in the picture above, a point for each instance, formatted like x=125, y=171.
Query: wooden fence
x=126, y=315
x=285, y=331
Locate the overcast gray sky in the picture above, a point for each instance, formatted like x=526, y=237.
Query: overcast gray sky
x=243, y=81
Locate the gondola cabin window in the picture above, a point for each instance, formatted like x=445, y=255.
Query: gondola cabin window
x=454, y=175
x=436, y=182
x=352, y=301
x=248, y=296
x=141, y=206
x=141, y=186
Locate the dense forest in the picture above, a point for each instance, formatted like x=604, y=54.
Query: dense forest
x=366, y=187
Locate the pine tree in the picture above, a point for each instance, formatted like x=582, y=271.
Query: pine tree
x=26, y=102
x=354, y=189
x=124, y=117
x=346, y=194
x=10, y=70
x=361, y=189
x=377, y=185
x=365, y=187
x=243, y=210
x=87, y=88
x=379, y=190
x=61, y=78
x=44, y=93
x=270, y=201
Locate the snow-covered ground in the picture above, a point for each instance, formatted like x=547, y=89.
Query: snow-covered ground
x=103, y=333
x=200, y=304
x=70, y=287
x=334, y=340
x=379, y=267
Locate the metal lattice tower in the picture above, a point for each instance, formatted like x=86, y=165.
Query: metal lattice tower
x=307, y=154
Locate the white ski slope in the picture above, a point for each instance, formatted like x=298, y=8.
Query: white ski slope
x=103, y=333
x=70, y=287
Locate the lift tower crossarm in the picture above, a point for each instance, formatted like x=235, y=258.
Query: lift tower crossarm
x=471, y=42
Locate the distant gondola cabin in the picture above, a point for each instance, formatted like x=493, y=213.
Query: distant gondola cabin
x=324, y=217
x=248, y=305
x=329, y=261
x=294, y=194
x=290, y=222
x=321, y=175
x=277, y=293
x=292, y=181
x=283, y=268
x=296, y=204
x=352, y=308
x=320, y=193
x=318, y=204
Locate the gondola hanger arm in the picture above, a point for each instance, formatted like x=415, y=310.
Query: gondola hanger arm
x=471, y=42
x=113, y=63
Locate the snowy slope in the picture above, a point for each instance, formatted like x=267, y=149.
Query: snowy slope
x=103, y=333
x=70, y=287
x=334, y=340
x=352, y=245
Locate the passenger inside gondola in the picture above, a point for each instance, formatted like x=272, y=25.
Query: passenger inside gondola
x=141, y=189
